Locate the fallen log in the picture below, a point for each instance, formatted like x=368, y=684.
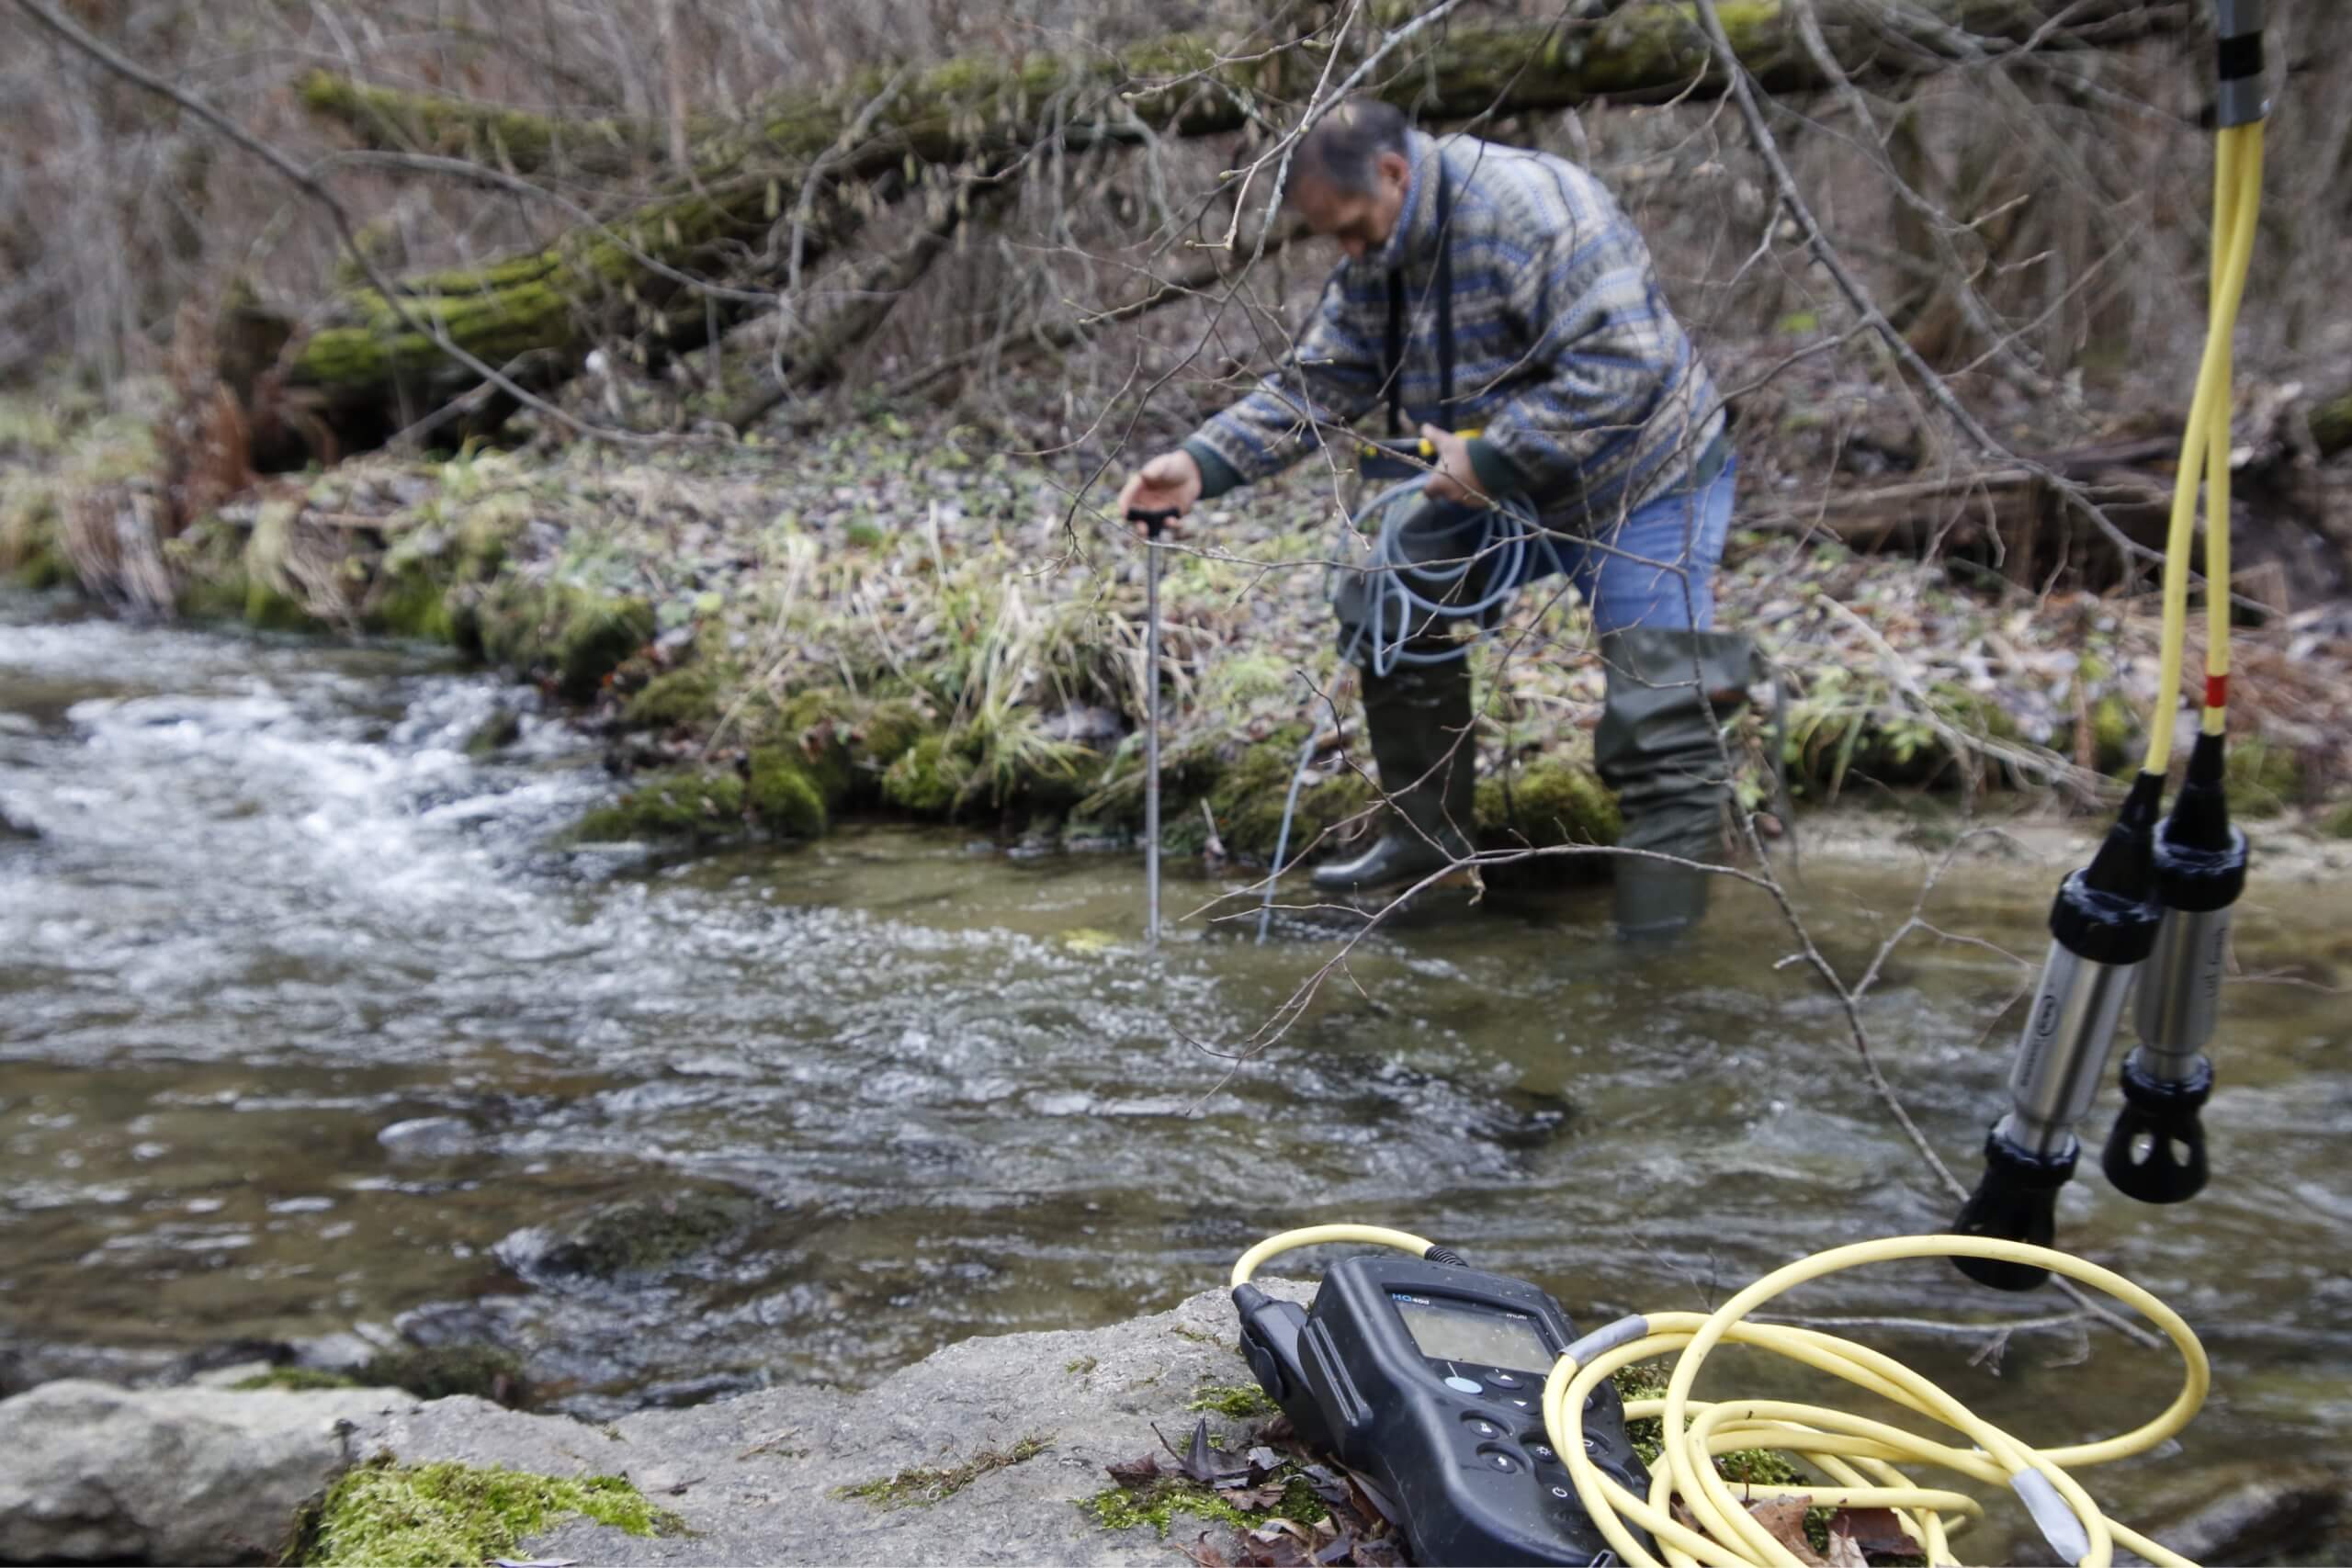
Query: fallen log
x=504, y=137
x=364, y=372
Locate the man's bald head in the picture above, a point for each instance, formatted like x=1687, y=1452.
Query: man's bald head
x=1349, y=174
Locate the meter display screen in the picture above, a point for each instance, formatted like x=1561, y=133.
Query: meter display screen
x=1449, y=1333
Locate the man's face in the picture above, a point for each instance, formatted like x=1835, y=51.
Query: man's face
x=1361, y=221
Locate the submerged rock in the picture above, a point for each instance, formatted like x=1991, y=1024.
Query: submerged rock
x=637, y=1235
x=428, y=1137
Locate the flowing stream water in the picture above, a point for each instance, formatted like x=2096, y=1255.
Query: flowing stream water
x=308, y=1022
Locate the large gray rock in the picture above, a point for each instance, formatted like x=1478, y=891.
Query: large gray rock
x=99, y=1474
x=190, y=1475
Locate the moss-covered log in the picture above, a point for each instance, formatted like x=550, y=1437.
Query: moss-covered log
x=495, y=134
x=537, y=312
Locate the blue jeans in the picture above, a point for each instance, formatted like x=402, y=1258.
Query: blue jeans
x=1654, y=566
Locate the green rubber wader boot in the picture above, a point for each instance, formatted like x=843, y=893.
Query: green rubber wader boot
x=1417, y=718
x=1657, y=747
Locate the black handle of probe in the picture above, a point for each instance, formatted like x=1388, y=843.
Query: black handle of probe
x=1153, y=518
x=2016, y=1200
x=2157, y=1151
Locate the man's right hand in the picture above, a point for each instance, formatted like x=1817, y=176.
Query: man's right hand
x=1170, y=481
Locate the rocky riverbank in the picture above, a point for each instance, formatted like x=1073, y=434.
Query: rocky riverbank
x=990, y=1450
x=914, y=622
x=1047, y=1447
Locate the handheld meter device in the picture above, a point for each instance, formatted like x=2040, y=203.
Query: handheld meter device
x=1428, y=1377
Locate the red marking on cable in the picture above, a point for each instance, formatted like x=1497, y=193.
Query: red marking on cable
x=2217, y=691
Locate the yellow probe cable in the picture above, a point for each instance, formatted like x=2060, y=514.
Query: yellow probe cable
x=2205, y=450
x=1858, y=1454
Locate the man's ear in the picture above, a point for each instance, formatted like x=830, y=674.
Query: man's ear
x=1394, y=168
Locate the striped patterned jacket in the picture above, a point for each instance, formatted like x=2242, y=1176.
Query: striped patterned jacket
x=1565, y=352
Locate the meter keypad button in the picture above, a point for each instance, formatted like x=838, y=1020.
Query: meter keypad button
x=1542, y=1451
x=1480, y=1426
x=1562, y=1492
x=1460, y=1384
x=1504, y=1380
x=1499, y=1461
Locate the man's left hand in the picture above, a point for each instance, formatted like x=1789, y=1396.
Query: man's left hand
x=1455, y=479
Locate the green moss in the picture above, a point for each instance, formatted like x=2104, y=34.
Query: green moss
x=1157, y=1503
x=928, y=780
x=819, y=724
x=679, y=699
x=2115, y=734
x=295, y=1378
x=1248, y=794
x=669, y=805
x=2265, y=777
x=1546, y=802
x=411, y=604
x=272, y=609
x=1081, y=1366
x=455, y=1515
x=2338, y=824
x=1643, y=1380
x=438, y=1372
x=44, y=567
x=784, y=795
x=1239, y=1401
x=596, y=634
x=641, y=1235
x=888, y=731
x=924, y=1484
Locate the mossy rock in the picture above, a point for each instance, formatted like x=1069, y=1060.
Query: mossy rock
x=784, y=793
x=2338, y=824
x=384, y=1514
x=411, y=604
x=1248, y=794
x=677, y=699
x=819, y=725
x=928, y=780
x=1189, y=769
x=495, y=733
x=1546, y=802
x=887, y=731
x=595, y=635
x=574, y=636
x=271, y=609
x=692, y=805
x=438, y=1372
x=642, y=1235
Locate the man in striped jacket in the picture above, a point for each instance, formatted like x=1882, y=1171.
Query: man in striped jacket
x=1493, y=290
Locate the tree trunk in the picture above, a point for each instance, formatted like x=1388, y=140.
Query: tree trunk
x=366, y=373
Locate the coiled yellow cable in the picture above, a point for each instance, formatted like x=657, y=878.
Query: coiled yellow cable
x=1858, y=1455
x=2205, y=450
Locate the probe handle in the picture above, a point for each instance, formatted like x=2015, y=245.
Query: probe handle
x=2168, y=1167
x=2016, y=1200
x=1153, y=519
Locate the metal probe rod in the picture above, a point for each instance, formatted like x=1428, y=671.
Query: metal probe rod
x=1153, y=522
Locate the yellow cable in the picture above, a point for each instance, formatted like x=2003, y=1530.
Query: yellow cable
x=2242, y=221
x=2237, y=188
x=1858, y=1455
